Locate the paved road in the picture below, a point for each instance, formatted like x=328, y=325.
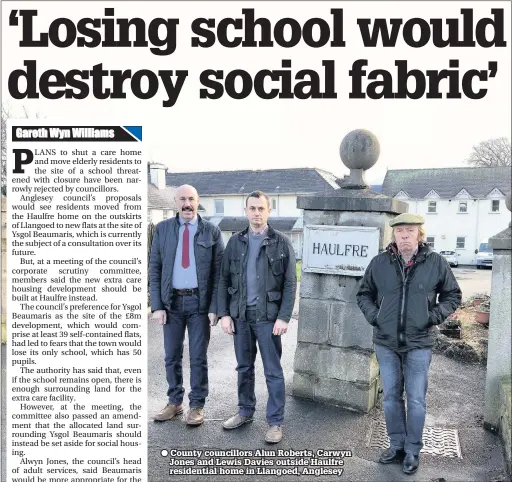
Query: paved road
x=456, y=400
x=472, y=280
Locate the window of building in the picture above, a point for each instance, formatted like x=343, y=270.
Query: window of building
x=495, y=206
x=219, y=206
x=461, y=242
x=463, y=206
x=273, y=203
x=432, y=206
x=165, y=214
x=431, y=241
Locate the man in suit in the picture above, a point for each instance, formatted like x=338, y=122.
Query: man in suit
x=184, y=272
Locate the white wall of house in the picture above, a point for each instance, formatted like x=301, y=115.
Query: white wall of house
x=157, y=175
x=157, y=215
x=285, y=206
x=207, y=203
x=225, y=236
x=232, y=205
x=282, y=206
x=448, y=224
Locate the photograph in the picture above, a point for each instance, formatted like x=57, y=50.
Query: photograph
x=277, y=235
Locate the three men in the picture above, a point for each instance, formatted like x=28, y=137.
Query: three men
x=184, y=264
x=404, y=292
x=255, y=302
x=251, y=286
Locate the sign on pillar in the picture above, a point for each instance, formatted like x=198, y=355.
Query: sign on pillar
x=343, y=250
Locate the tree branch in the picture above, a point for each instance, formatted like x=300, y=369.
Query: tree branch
x=491, y=153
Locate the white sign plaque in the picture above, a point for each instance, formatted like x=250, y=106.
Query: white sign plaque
x=344, y=250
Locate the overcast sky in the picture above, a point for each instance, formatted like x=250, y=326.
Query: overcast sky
x=202, y=135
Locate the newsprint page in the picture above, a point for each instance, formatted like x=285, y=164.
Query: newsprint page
x=256, y=241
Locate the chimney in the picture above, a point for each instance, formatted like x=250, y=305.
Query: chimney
x=157, y=173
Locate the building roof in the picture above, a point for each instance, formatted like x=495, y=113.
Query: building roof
x=161, y=198
x=271, y=181
x=235, y=224
x=447, y=182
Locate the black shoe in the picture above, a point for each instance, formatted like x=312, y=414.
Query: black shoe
x=391, y=455
x=411, y=464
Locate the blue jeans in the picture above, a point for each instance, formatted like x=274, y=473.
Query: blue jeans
x=247, y=333
x=184, y=315
x=397, y=370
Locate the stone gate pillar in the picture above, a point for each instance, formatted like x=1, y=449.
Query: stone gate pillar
x=499, y=352
x=334, y=361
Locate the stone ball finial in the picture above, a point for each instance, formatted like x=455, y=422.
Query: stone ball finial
x=508, y=202
x=359, y=149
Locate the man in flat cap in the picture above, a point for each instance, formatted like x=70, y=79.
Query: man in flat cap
x=405, y=291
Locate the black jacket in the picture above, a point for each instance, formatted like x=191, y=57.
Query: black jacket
x=208, y=250
x=276, y=270
x=401, y=308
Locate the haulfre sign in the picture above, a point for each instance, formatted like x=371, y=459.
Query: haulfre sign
x=344, y=250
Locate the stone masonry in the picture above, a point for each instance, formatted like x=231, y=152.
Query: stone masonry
x=497, y=406
x=334, y=361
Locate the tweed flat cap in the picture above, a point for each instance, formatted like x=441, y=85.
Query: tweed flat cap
x=407, y=218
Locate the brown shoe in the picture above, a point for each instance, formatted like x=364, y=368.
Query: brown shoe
x=195, y=416
x=274, y=434
x=168, y=412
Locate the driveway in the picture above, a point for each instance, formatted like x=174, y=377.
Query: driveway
x=455, y=401
x=472, y=280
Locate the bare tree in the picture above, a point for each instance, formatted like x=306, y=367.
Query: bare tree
x=6, y=115
x=491, y=153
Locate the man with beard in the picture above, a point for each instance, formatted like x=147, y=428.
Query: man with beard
x=405, y=291
x=184, y=272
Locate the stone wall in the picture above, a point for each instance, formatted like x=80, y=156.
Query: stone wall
x=334, y=361
x=499, y=354
x=505, y=424
x=497, y=416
